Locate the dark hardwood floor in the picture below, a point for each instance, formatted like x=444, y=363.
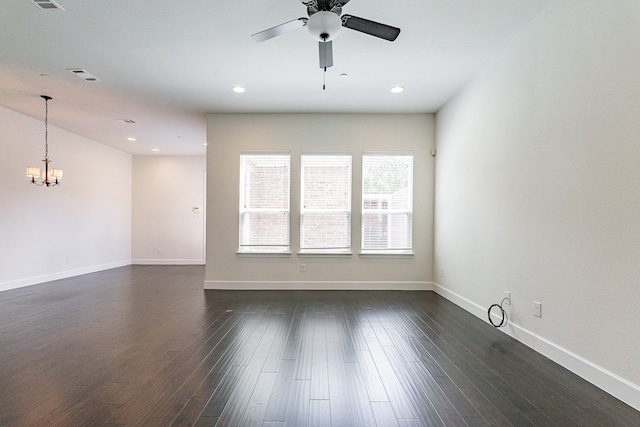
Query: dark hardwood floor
x=147, y=346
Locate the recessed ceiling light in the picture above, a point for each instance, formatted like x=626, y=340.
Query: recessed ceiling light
x=155, y=149
x=397, y=89
x=238, y=89
x=204, y=143
x=126, y=121
x=131, y=139
x=344, y=75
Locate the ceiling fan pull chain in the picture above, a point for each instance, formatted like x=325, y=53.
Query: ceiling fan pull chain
x=324, y=79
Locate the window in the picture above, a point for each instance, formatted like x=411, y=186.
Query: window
x=264, y=202
x=387, y=203
x=325, y=211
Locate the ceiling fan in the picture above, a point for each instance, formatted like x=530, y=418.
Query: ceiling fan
x=324, y=23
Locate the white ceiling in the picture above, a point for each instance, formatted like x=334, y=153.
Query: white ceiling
x=165, y=64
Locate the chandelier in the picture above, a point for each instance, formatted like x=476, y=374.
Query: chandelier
x=51, y=176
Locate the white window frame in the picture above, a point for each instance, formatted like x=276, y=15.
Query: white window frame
x=327, y=250
x=266, y=249
x=381, y=211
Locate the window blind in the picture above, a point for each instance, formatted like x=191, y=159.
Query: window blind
x=325, y=211
x=264, y=202
x=387, y=202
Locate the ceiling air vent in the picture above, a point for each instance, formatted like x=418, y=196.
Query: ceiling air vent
x=84, y=74
x=47, y=5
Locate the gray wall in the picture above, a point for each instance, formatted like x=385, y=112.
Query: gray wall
x=81, y=226
x=538, y=190
x=229, y=135
x=165, y=228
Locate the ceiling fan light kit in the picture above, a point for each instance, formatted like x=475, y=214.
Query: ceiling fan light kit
x=324, y=24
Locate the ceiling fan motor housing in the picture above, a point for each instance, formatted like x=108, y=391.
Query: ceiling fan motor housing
x=324, y=26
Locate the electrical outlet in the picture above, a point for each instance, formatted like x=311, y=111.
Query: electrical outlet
x=507, y=296
x=537, y=309
x=159, y=250
x=442, y=272
x=68, y=259
x=303, y=268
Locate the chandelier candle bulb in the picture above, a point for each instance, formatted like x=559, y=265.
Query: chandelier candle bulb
x=56, y=173
x=33, y=173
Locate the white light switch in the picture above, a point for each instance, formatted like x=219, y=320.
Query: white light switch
x=196, y=209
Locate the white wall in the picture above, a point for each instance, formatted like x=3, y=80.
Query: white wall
x=229, y=135
x=81, y=226
x=166, y=230
x=538, y=190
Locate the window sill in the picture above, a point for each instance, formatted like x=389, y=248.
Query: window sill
x=325, y=254
x=263, y=254
x=397, y=254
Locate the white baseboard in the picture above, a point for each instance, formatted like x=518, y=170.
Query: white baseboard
x=28, y=281
x=612, y=383
x=167, y=261
x=313, y=286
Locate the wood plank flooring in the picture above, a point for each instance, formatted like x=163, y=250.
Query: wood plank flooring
x=147, y=346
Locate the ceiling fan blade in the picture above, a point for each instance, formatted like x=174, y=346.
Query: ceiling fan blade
x=377, y=29
x=326, y=54
x=279, y=30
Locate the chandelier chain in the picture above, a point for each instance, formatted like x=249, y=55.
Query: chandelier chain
x=46, y=129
